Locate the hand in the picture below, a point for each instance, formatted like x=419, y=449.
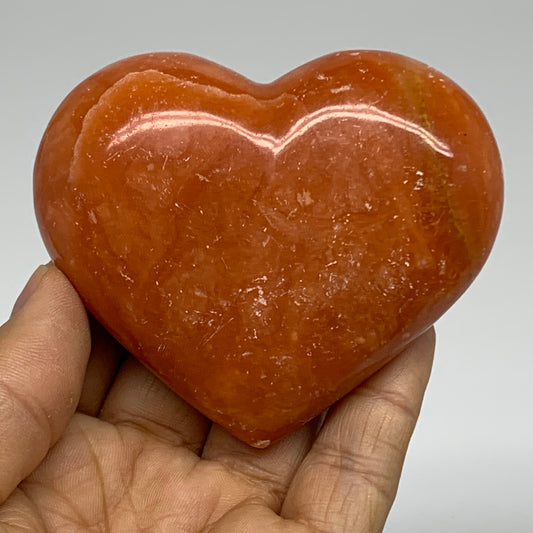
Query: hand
x=92, y=441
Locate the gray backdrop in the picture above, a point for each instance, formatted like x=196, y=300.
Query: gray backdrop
x=470, y=465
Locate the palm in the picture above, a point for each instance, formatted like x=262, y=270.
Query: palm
x=135, y=457
x=121, y=478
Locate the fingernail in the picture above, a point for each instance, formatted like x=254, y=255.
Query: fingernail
x=29, y=288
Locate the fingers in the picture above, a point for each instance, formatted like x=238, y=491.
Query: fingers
x=350, y=477
x=104, y=362
x=267, y=472
x=138, y=398
x=43, y=352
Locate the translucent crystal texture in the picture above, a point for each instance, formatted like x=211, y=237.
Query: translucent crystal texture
x=265, y=248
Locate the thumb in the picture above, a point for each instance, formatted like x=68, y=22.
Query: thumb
x=44, y=348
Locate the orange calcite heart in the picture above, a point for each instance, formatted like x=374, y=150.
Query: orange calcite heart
x=265, y=248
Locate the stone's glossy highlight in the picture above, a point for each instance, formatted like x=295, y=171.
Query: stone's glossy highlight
x=265, y=248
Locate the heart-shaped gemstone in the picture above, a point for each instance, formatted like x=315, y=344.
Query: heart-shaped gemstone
x=265, y=248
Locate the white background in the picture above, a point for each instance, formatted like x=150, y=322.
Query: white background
x=470, y=465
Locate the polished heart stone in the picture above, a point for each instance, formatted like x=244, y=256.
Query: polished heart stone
x=265, y=248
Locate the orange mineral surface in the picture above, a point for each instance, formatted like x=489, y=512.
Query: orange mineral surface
x=263, y=248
